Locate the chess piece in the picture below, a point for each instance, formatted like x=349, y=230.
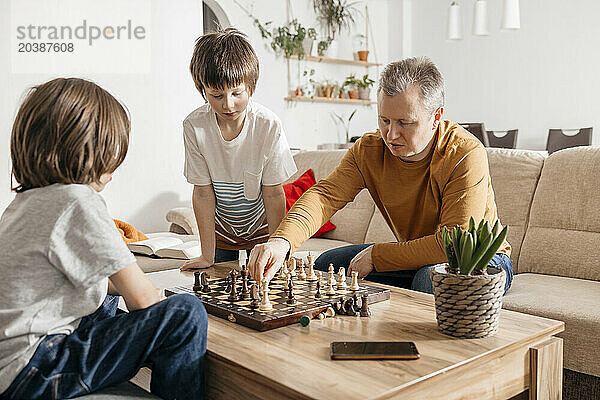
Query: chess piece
x=291, y=300
x=292, y=267
x=354, y=285
x=265, y=304
x=331, y=288
x=318, y=292
x=233, y=295
x=204, y=282
x=364, y=309
x=228, y=283
x=330, y=312
x=311, y=277
x=197, y=287
x=255, y=303
x=283, y=271
x=286, y=284
x=245, y=294
x=338, y=307
x=331, y=277
x=302, y=273
x=348, y=307
x=341, y=283
x=242, y=258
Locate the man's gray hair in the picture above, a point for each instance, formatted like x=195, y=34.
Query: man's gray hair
x=401, y=75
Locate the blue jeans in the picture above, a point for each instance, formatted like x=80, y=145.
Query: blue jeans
x=409, y=279
x=107, y=349
x=222, y=255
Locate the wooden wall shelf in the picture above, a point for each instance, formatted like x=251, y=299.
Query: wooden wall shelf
x=336, y=61
x=330, y=100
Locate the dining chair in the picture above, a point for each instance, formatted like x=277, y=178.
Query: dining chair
x=557, y=140
x=478, y=130
x=507, y=141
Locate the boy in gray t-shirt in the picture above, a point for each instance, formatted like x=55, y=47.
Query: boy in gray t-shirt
x=63, y=261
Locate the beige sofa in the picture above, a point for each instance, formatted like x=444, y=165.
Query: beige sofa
x=552, y=207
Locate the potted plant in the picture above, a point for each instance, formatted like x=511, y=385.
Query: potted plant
x=346, y=124
x=364, y=87
x=352, y=84
x=468, y=292
x=292, y=38
x=334, y=15
x=307, y=86
x=363, y=49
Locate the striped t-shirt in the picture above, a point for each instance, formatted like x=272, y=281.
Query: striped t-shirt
x=237, y=170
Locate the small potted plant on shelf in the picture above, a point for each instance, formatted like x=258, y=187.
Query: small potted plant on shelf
x=468, y=292
x=334, y=15
x=307, y=86
x=364, y=87
x=363, y=49
x=352, y=84
x=291, y=39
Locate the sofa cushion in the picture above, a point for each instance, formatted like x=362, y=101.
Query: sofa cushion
x=515, y=174
x=573, y=301
x=294, y=190
x=563, y=236
x=351, y=221
x=379, y=231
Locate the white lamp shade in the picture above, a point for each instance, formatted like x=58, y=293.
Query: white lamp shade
x=480, y=19
x=454, y=28
x=511, y=17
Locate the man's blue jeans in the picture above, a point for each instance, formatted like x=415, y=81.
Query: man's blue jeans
x=419, y=279
x=107, y=349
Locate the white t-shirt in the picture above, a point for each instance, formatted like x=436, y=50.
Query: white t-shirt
x=58, y=245
x=237, y=169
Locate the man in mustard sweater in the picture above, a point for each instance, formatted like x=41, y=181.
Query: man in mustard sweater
x=422, y=172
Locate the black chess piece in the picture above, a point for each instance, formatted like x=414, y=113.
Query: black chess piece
x=364, y=309
x=255, y=303
x=233, y=295
x=204, y=282
x=228, y=283
x=338, y=307
x=357, y=302
x=197, y=287
x=245, y=295
x=348, y=306
x=286, y=286
x=318, y=292
x=291, y=298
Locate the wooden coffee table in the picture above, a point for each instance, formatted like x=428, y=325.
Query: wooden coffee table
x=293, y=362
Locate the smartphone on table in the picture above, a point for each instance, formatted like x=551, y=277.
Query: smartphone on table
x=374, y=351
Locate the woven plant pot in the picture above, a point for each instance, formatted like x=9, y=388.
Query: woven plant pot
x=468, y=306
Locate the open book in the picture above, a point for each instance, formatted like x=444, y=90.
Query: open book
x=168, y=245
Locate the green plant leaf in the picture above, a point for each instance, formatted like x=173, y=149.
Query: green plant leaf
x=489, y=254
x=466, y=252
x=456, y=241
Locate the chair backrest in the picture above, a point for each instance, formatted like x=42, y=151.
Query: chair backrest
x=478, y=130
x=557, y=140
x=508, y=141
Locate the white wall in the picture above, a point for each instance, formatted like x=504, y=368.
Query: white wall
x=150, y=181
x=543, y=76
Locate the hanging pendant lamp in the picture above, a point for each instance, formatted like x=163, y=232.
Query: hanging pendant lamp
x=454, y=28
x=480, y=19
x=511, y=18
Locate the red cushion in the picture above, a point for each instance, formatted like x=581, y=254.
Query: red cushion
x=294, y=190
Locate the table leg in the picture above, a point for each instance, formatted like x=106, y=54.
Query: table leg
x=546, y=370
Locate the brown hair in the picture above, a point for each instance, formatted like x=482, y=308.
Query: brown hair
x=67, y=130
x=224, y=59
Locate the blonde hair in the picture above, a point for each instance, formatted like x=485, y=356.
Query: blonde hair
x=67, y=130
x=224, y=59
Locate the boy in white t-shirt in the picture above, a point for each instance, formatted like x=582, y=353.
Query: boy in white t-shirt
x=236, y=152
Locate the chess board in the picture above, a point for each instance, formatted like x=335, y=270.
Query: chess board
x=217, y=303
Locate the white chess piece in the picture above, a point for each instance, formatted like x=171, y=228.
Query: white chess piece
x=341, y=283
x=302, y=274
x=354, y=285
x=292, y=271
x=331, y=277
x=265, y=303
x=331, y=288
x=311, y=277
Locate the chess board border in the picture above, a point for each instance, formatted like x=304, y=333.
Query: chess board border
x=375, y=295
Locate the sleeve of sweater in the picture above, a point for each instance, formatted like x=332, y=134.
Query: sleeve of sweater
x=316, y=206
x=464, y=195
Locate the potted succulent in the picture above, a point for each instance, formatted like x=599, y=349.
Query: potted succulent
x=468, y=292
x=334, y=15
x=364, y=87
x=352, y=84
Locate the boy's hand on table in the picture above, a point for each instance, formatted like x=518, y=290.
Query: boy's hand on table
x=267, y=258
x=197, y=263
x=362, y=262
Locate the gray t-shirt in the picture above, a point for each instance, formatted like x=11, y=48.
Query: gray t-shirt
x=59, y=245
